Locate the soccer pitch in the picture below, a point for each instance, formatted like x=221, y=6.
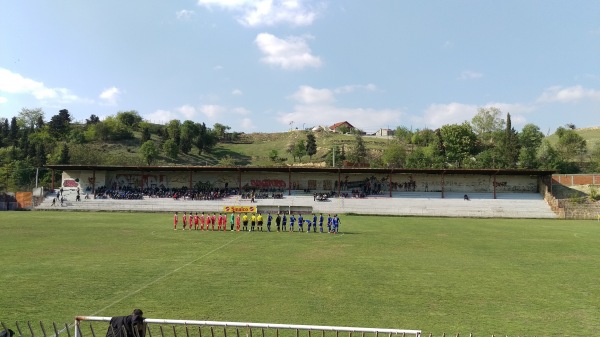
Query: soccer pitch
x=480, y=276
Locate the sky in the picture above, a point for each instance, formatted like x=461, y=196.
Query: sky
x=276, y=65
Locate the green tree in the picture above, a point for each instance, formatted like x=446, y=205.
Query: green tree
x=459, y=142
x=403, y=134
x=311, y=145
x=394, y=155
x=358, y=154
x=549, y=158
x=571, y=146
x=423, y=137
x=146, y=135
x=274, y=156
x=189, y=130
x=64, y=156
x=30, y=117
x=174, y=131
x=92, y=120
x=171, y=149
x=595, y=157
x=220, y=130
x=129, y=118
x=299, y=149
x=335, y=156
x=149, y=152
x=14, y=131
x=205, y=139
x=60, y=124
x=530, y=140
x=508, y=148
x=485, y=124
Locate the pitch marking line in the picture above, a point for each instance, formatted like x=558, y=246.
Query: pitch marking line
x=162, y=277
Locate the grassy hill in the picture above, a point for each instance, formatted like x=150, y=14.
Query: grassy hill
x=251, y=149
x=591, y=135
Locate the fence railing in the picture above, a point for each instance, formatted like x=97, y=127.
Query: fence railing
x=248, y=329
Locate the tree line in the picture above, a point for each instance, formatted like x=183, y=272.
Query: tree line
x=28, y=142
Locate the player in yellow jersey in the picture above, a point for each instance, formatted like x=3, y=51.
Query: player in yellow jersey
x=245, y=222
x=259, y=220
x=252, y=222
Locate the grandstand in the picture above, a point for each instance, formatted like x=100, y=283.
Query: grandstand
x=506, y=205
x=404, y=192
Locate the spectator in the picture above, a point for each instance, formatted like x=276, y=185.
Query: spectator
x=127, y=326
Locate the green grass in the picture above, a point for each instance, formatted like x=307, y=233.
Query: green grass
x=480, y=276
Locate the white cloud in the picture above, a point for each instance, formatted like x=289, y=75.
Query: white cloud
x=469, y=75
x=241, y=111
x=247, y=124
x=437, y=115
x=3, y=99
x=212, y=111
x=14, y=83
x=160, y=116
x=188, y=111
x=184, y=14
x=316, y=107
x=309, y=95
x=290, y=53
x=269, y=12
x=351, y=88
x=568, y=95
x=110, y=95
x=236, y=92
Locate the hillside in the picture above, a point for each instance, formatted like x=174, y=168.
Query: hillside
x=249, y=150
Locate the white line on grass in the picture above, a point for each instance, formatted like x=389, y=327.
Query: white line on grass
x=162, y=277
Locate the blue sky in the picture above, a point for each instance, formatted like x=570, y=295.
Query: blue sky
x=268, y=65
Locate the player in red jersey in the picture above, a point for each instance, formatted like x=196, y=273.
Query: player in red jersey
x=237, y=222
x=202, y=221
x=208, y=221
x=196, y=221
x=184, y=220
x=175, y=221
x=213, y=219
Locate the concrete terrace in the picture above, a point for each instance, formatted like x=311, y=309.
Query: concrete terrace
x=507, y=205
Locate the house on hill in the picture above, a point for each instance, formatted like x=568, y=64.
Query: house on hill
x=343, y=124
x=384, y=132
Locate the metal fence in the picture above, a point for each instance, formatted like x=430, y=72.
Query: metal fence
x=192, y=328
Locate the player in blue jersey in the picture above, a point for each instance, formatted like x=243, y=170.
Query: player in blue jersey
x=314, y=223
x=292, y=220
x=336, y=224
x=321, y=222
x=300, y=223
x=328, y=223
x=269, y=218
x=283, y=222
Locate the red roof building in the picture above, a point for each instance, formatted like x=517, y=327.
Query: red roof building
x=344, y=124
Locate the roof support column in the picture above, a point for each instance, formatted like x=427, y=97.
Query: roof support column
x=52, y=181
x=442, y=185
x=494, y=186
x=239, y=182
x=390, y=183
x=290, y=181
x=190, y=182
x=93, y=182
x=339, y=182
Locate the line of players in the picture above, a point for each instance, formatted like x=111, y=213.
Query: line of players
x=208, y=221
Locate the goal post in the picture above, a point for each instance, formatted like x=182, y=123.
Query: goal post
x=259, y=329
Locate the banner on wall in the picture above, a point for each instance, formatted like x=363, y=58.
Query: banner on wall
x=239, y=209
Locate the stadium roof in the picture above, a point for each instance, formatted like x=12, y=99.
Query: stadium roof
x=345, y=170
